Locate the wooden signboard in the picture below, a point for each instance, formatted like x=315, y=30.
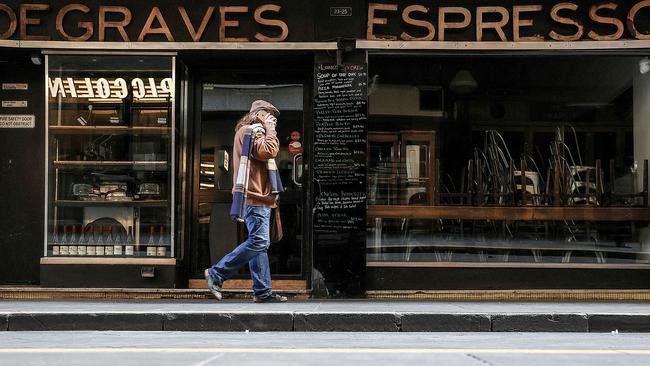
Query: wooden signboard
x=306, y=21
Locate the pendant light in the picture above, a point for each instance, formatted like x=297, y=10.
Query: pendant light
x=463, y=83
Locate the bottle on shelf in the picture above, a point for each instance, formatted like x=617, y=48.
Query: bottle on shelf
x=54, y=237
x=151, y=243
x=128, y=247
x=108, y=241
x=55, y=240
x=99, y=244
x=63, y=248
x=161, y=250
x=72, y=243
x=117, y=242
x=82, y=243
x=90, y=242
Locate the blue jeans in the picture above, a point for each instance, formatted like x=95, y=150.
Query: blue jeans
x=252, y=251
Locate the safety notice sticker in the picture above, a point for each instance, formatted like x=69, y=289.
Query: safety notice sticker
x=17, y=121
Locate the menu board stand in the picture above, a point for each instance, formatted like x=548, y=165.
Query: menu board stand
x=339, y=151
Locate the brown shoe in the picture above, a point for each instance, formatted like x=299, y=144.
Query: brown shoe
x=273, y=297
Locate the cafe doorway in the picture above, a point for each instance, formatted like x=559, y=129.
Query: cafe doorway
x=222, y=101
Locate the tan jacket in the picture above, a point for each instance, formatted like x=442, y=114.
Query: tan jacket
x=265, y=147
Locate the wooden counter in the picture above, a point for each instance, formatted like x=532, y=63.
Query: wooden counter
x=530, y=213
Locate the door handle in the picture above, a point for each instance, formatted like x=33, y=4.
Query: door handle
x=294, y=170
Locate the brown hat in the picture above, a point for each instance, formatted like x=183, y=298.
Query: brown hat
x=262, y=104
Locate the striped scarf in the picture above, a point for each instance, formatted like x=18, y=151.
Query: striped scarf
x=237, y=210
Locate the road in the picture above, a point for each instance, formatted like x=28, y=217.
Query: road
x=289, y=348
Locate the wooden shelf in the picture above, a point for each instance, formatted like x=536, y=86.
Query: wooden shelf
x=104, y=203
x=80, y=164
x=585, y=213
x=166, y=245
x=106, y=130
x=108, y=260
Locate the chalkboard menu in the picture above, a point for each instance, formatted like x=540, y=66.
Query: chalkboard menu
x=340, y=113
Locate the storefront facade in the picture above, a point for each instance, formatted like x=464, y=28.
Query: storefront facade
x=424, y=146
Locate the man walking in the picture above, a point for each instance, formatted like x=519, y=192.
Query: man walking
x=255, y=192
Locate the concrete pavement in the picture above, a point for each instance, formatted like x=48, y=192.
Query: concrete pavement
x=317, y=316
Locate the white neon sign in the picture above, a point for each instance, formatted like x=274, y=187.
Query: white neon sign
x=103, y=88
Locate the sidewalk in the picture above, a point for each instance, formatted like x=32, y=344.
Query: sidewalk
x=318, y=315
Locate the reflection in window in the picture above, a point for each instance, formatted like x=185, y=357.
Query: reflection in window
x=540, y=164
x=218, y=234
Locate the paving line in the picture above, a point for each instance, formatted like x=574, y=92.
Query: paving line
x=327, y=350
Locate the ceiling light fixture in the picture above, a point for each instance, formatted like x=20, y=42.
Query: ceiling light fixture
x=463, y=83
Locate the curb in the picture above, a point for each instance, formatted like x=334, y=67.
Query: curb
x=228, y=322
x=625, y=323
x=77, y=322
x=540, y=323
x=419, y=322
x=324, y=322
x=346, y=322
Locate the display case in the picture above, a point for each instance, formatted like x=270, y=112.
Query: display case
x=110, y=139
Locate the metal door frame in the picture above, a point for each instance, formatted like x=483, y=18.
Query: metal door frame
x=251, y=76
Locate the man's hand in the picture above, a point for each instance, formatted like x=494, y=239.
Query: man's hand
x=269, y=122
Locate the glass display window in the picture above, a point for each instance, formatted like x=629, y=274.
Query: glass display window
x=543, y=162
x=110, y=155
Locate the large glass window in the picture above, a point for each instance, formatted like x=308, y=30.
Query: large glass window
x=519, y=161
x=110, y=156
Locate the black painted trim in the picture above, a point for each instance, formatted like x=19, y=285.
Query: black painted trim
x=107, y=276
x=389, y=278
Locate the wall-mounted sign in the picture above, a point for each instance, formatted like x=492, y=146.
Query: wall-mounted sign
x=504, y=21
x=172, y=22
x=340, y=114
x=110, y=89
x=17, y=121
x=340, y=11
x=295, y=21
x=15, y=86
x=14, y=104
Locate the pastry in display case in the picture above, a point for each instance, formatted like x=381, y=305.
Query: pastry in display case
x=110, y=142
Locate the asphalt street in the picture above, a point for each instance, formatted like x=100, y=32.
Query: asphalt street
x=242, y=348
